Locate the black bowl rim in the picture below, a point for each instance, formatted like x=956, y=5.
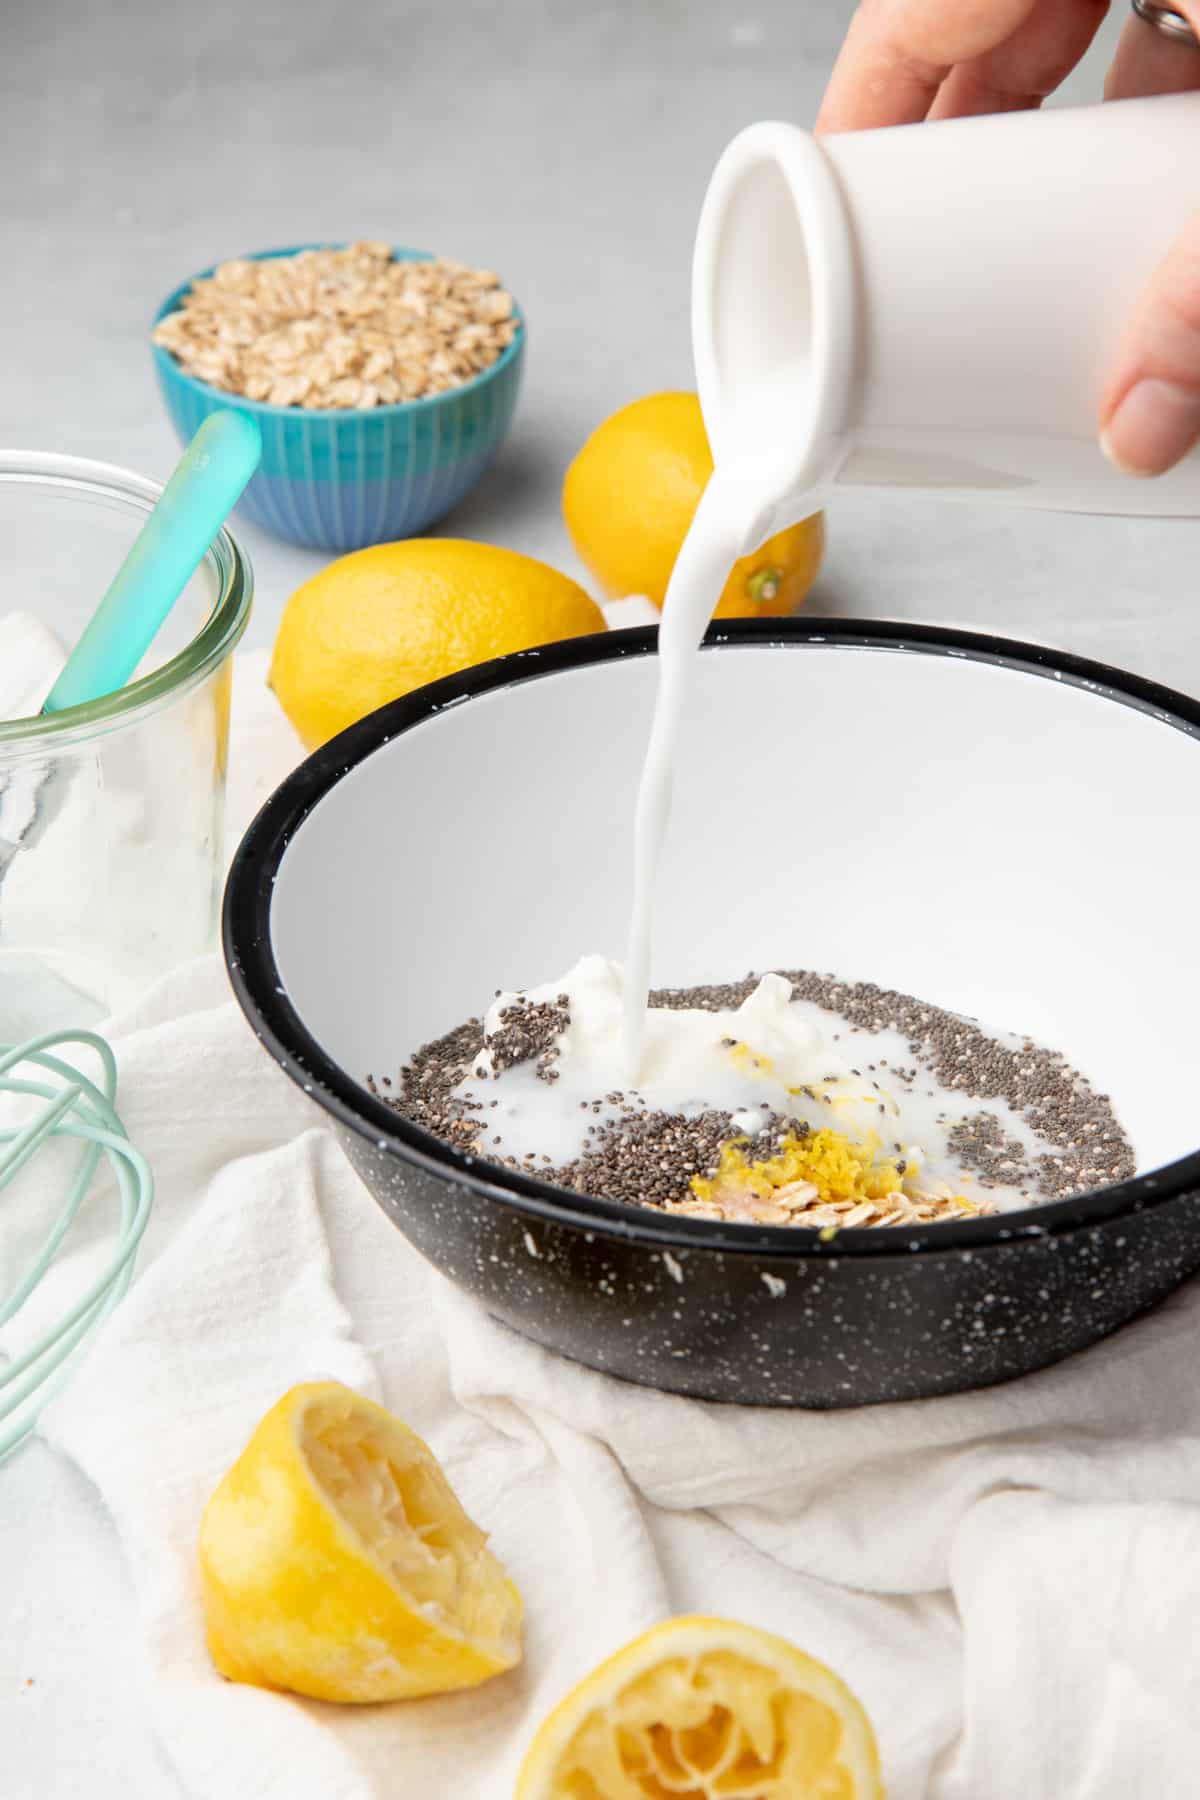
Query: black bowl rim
x=258, y=983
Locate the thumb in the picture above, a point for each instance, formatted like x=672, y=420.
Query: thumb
x=1150, y=416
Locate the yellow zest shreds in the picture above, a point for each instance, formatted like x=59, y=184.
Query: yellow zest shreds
x=832, y=1163
x=824, y=1179
x=743, y=1057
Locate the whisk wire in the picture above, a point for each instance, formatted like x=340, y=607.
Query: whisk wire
x=82, y=1110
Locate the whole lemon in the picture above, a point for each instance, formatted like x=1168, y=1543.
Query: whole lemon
x=380, y=622
x=629, y=497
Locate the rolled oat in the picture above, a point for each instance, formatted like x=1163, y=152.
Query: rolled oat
x=340, y=328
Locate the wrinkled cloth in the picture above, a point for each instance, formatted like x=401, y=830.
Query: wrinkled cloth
x=1009, y=1580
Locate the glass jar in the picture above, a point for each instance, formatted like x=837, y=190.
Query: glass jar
x=110, y=813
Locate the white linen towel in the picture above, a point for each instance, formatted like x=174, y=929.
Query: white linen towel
x=1010, y=1580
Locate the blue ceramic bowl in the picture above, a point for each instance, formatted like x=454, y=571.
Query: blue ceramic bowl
x=339, y=480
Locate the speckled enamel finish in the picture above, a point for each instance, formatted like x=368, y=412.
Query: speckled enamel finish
x=764, y=1316
x=819, y=1330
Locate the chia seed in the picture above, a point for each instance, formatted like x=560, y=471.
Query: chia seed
x=648, y=1158
x=528, y=1029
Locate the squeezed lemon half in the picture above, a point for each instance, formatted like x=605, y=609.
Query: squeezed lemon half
x=705, y=1709
x=336, y=1561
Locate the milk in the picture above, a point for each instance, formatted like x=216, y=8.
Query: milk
x=772, y=1056
x=732, y=517
x=712, y=547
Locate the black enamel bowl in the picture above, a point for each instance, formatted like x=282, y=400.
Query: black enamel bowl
x=1004, y=830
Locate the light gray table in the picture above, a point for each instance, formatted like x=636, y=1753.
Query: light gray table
x=566, y=144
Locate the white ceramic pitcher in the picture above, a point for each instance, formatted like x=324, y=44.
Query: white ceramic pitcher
x=934, y=307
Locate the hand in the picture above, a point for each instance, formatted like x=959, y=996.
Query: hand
x=906, y=60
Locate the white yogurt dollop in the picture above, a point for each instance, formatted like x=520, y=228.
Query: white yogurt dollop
x=770, y=1055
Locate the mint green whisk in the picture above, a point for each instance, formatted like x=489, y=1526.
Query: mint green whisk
x=75, y=1107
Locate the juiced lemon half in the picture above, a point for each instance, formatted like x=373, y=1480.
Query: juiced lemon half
x=336, y=1561
x=705, y=1709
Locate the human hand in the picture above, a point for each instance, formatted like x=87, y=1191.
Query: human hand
x=907, y=60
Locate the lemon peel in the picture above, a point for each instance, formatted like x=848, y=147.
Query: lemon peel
x=374, y=625
x=629, y=498
x=707, y=1708
x=336, y=1561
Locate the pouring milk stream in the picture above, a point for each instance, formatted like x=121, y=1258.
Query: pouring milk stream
x=929, y=308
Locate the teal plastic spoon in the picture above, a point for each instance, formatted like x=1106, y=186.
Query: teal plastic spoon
x=201, y=494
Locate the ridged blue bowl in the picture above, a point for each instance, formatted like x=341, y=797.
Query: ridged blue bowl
x=339, y=480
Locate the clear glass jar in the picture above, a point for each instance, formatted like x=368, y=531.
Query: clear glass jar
x=110, y=813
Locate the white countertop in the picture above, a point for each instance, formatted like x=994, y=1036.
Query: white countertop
x=566, y=145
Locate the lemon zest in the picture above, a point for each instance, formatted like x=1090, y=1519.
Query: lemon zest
x=742, y=1056
x=841, y=1170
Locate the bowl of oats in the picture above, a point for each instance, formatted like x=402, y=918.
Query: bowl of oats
x=383, y=380
x=913, y=1106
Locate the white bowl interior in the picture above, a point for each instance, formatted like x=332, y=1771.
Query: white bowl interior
x=1011, y=845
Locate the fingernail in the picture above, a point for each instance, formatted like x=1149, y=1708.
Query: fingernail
x=1155, y=424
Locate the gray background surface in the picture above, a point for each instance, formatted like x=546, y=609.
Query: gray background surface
x=566, y=144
